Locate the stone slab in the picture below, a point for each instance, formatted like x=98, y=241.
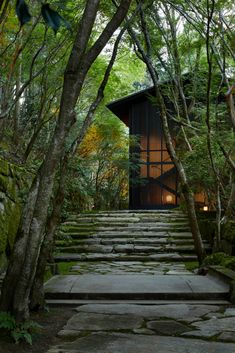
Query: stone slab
x=167, y=326
x=74, y=302
x=132, y=343
x=183, y=312
x=102, y=322
x=135, y=287
x=213, y=326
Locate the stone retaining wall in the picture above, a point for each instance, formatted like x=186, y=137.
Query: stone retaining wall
x=13, y=182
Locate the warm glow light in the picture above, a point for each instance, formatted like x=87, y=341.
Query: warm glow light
x=169, y=198
x=205, y=208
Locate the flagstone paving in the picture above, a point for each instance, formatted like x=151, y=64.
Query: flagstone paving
x=130, y=267
x=125, y=328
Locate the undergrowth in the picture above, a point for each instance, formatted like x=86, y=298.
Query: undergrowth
x=17, y=331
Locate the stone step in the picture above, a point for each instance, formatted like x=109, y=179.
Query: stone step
x=124, y=227
x=127, y=249
x=146, y=227
x=127, y=234
x=78, y=302
x=128, y=213
x=174, y=257
x=130, y=267
x=122, y=241
x=136, y=287
x=120, y=218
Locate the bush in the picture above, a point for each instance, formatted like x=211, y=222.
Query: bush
x=220, y=258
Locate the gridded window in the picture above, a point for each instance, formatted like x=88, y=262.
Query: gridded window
x=160, y=188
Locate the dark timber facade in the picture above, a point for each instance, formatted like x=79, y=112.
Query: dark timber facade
x=154, y=183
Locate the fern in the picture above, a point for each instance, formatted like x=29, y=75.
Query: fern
x=19, y=332
x=7, y=321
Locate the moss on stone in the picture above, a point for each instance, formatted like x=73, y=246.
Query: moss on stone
x=12, y=179
x=14, y=224
x=4, y=182
x=4, y=167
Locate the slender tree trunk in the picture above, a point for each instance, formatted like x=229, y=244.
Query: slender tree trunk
x=21, y=270
x=188, y=195
x=16, y=114
x=217, y=242
x=37, y=300
x=3, y=9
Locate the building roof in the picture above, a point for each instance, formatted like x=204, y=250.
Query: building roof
x=120, y=107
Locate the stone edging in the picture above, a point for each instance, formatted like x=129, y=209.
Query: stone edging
x=226, y=275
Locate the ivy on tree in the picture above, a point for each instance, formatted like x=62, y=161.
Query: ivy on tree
x=51, y=17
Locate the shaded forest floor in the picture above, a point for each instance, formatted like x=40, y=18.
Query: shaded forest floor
x=52, y=322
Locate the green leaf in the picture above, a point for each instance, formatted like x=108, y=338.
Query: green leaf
x=28, y=338
x=19, y=335
x=22, y=12
x=7, y=321
x=52, y=18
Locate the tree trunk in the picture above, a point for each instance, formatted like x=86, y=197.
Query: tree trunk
x=37, y=293
x=21, y=270
x=37, y=300
x=188, y=195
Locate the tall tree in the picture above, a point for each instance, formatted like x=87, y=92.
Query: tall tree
x=23, y=263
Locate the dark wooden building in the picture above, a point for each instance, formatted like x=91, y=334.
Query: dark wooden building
x=154, y=183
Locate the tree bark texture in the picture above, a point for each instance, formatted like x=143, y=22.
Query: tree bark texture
x=21, y=270
x=37, y=300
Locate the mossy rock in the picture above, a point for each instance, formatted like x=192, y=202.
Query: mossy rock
x=4, y=167
x=14, y=224
x=9, y=222
x=12, y=180
x=4, y=182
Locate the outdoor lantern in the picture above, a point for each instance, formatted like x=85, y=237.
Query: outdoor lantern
x=169, y=199
x=205, y=208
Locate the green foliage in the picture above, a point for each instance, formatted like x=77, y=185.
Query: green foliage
x=228, y=231
x=18, y=331
x=50, y=16
x=221, y=259
x=191, y=265
x=63, y=268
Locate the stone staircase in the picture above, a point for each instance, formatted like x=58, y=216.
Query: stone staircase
x=126, y=236
x=129, y=257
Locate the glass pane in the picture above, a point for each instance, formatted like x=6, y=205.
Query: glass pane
x=154, y=171
x=166, y=157
x=143, y=157
x=154, y=141
x=167, y=168
x=154, y=157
